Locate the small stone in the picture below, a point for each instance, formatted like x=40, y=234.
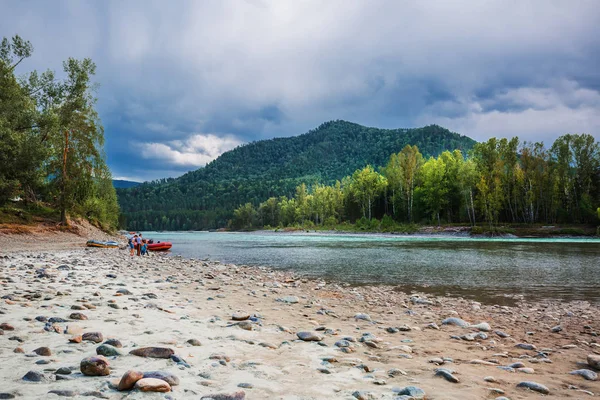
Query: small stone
x=63, y=393
x=363, y=395
x=362, y=316
x=194, y=342
x=18, y=350
x=240, y=316
x=63, y=371
x=168, y=377
x=490, y=379
x=593, y=361
x=153, y=352
x=483, y=326
x=43, y=351
x=556, y=329
x=288, y=299
x=95, y=337
x=152, y=385
x=78, y=316
x=586, y=374
x=94, y=366
x=34, y=376
x=525, y=346
x=4, y=395
x=456, y=321
x=7, y=327
x=309, y=336
x=129, y=379
x=446, y=374
x=536, y=387
x=114, y=343
x=75, y=339
x=245, y=385
x=107, y=350
x=225, y=396
x=502, y=334
x=411, y=391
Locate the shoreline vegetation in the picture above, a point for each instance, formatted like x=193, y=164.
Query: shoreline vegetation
x=255, y=332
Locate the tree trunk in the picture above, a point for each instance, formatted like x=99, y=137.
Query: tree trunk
x=63, y=200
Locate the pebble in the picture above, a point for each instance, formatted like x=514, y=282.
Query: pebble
x=288, y=299
x=536, y=387
x=490, y=379
x=245, y=385
x=309, y=336
x=114, y=342
x=363, y=395
x=483, y=326
x=43, y=351
x=411, y=391
x=446, y=374
x=34, y=376
x=240, y=316
x=456, y=322
x=78, y=316
x=556, y=329
x=108, y=351
x=6, y=327
x=153, y=352
x=586, y=373
x=168, y=377
x=95, y=337
x=94, y=366
x=194, y=342
x=502, y=334
x=63, y=371
x=152, y=385
x=129, y=379
x=525, y=346
x=362, y=316
x=63, y=393
x=225, y=396
x=593, y=361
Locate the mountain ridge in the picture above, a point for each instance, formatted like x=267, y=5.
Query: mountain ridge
x=258, y=170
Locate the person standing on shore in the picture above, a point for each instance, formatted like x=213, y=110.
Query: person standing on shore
x=132, y=245
x=139, y=245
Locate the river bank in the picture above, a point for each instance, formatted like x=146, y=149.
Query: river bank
x=374, y=341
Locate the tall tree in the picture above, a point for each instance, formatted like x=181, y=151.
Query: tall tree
x=435, y=186
x=367, y=184
x=410, y=161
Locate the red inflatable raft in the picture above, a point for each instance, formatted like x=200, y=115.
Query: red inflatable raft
x=162, y=246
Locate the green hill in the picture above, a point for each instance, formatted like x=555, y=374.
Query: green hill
x=122, y=184
x=205, y=198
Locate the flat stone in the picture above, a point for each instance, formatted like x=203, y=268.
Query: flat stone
x=63, y=371
x=194, y=342
x=586, y=374
x=525, y=346
x=446, y=374
x=362, y=316
x=114, y=342
x=129, y=379
x=153, y=352
x=6, y=327
x=94, y=366
x=536, y=387
x=63, y=393
x=309, y=336
x=411, y=391
x=456, y=322
x=78, y=316
x=240, y=316
x=152, y=385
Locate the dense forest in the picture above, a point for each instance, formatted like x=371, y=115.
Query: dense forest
x=255, y=172
x=500, y=181
x=51, y=142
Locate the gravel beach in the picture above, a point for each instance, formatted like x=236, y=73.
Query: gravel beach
x=84, y=323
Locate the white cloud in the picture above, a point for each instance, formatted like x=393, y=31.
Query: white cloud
x=195, y=151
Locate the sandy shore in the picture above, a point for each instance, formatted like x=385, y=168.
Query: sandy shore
x=374, y=341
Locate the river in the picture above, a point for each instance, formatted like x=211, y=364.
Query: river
x=486, y=269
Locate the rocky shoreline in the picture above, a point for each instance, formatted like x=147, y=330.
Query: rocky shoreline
x=96, y=323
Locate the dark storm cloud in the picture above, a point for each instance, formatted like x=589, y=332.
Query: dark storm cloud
x=184, y=81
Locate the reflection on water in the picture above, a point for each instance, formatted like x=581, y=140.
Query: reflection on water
x=480, y=268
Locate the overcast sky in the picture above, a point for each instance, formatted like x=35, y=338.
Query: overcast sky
x=183, y=81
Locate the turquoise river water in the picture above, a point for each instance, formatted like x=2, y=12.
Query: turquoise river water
x=489, y=270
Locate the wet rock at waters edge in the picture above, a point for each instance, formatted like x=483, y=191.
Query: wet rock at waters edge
x=153, y=352
x=194, y=342
x=43, y=351
x=152, y=385
x=593, y=361
x=446, y=374
x=94, y=366
x=129, y=379
x=536, y=387
x=95, y=337
x=168, y=377
x=586, y=374
x=456, y=321
x=34, y=376
x=241, y=395
x=309, y=336
x=411, y=391
x=107, y=350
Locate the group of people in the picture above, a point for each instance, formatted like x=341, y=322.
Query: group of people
x=139, y=245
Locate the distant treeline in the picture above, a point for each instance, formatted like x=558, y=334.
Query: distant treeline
x=501, y=181
x=51, y=141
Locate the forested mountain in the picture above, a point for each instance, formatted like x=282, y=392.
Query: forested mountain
x=254, y=172
x=123, y=184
